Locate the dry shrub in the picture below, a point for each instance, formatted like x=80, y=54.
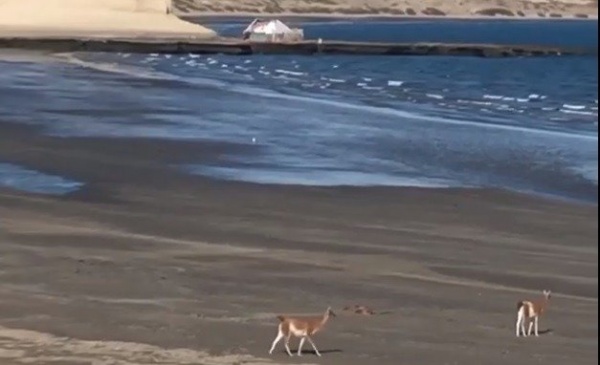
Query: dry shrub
x=495, y=12
x=433, y=12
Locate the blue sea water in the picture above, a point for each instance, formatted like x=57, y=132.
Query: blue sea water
x=524, y=124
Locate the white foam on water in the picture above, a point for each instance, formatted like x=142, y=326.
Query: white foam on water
x=395, y=83
x=435, y=96
x=475, y=102
x=578, y=112
x=536, y=97
x=573, y=106
x=522, y=100
x=24, y=179
x=408, y=115
x=317, y=178
x=336, y=81
x=493, y=97
x=587, y=171
x=288, y=72
x=143, y=73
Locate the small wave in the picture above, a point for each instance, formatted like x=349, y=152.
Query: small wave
x=587, y=171
x=335, y=81
x=578, y=112
x=409, y=115
x=119, y=69
x=435, y=96
x=395, y=83
x=493, y=97
x=474, y=102
x=573, y=106
x=536, y=97
x=288, y=72
x=33, y=181
x=316, y=177
x=366, y=86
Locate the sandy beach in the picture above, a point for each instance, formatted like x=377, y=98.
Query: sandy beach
x=94, y=18
x=148, y=266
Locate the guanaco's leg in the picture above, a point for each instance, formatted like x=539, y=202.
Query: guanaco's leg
x=287, y=345
x=313, y=346
x=302, y=339
x=277, y=339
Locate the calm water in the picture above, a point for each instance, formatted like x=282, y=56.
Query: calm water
x=522, y=124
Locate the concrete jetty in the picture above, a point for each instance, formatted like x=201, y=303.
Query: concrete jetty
x=310, y=47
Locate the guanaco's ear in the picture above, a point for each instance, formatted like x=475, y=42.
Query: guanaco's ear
x=330, y=312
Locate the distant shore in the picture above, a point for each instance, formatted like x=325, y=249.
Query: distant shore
x=400, y=9
x=204, y=16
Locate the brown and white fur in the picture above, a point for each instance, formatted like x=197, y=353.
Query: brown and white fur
x=300, y=326
x=531, y=311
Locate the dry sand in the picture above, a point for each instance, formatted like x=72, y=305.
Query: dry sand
x=518, y=9
x=149, y=266
x=99, y=18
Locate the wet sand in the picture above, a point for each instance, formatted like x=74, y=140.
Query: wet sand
x=146, y=265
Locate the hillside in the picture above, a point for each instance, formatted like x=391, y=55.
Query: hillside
x=462, y=8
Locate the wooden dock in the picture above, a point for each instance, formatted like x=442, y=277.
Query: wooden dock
x=238, y=47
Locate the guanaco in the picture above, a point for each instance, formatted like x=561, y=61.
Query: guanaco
x=531, y=311
x=300, y=326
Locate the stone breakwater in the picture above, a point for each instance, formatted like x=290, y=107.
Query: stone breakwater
x=236, y=47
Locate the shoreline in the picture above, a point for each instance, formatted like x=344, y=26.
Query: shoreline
x=180, y=149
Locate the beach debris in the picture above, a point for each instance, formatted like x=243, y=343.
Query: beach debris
x=359, y=309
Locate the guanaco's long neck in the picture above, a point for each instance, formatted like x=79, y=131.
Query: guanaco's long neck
x=325, y=319
x=544, y=304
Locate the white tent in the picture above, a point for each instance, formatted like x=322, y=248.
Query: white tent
x=267, y=27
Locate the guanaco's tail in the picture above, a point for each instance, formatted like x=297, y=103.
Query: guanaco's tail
x=281, y=318
x=520, y=304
